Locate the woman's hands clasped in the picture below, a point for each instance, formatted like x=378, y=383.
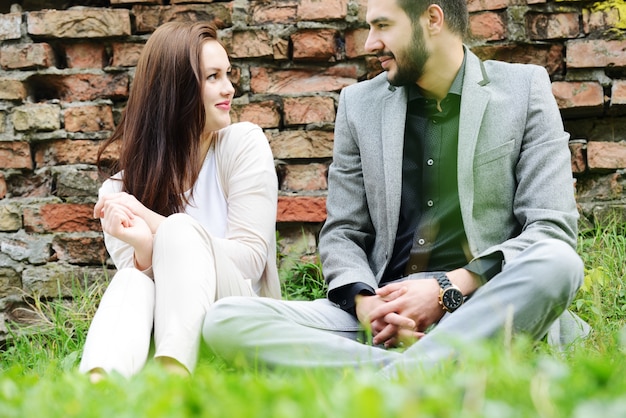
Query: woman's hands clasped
x=128, y=220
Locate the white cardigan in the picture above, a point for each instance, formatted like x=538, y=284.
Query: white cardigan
x=245, y=171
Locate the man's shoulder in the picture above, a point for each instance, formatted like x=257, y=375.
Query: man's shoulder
x=378, y=84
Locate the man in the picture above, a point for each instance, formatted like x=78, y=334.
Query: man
x=450, y=203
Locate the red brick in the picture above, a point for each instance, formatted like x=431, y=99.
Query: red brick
x=36, y=117
x=126, y=54
x=301, y=209
x=578, y=94
x=265, y=114
x=315, y=44
x=80, y=249
x=548, y=56
x=596, y=53
x=85, y=55
x=60, y=217
x=482, y=5
x=12, y=89
x=3, y=186
x=280, y=49
x=10, y=26
x=275, y=12
x=148, y=18
x=67, y=151
x=136, y=1
x=15, y=154
x=595, y=21
x=88, y=22
x=578, y=150
x=488, y=26
x=264, y=80
x=26, y=56
x=606, y=155
x=322, y=10
x=618, y=93
x=304, y=177
x=355, y=43
x=552, y=25
x=251, y=44
x=83, y=87
x=305, y=110
x=88, y=118
x=301, y=144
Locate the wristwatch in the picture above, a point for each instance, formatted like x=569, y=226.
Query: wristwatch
x=450, y=296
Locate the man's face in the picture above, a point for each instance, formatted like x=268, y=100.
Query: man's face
x=398, y=43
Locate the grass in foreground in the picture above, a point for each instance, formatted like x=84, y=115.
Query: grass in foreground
x=500, y=379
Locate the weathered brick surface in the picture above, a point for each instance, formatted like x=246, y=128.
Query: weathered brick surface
x=488, y=26
x=12, y=89
x=37, y=117
x=481, y=5
x=126, y=54
x=251, y=44
x=301, y=209
x=85, y=55
x=10, y=26
x=88, y=118
x=322, y=10
x=66, y=151
x=65, y=77
x=27, y=56
x=297, y=81
x=80, y=248
x=618, y=93
x=265, y=114
x=148, y=18
x=79, y=23
x=548, y=56
x=301, y=144
x=299, y=177
x=577, y=94
x=308, y=109
x=60, y=217
x=596, y=53
x=606, y=155
x=315, y=44
x=82, y=87
x=553, y=25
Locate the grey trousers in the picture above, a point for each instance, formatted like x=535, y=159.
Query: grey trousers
x=528, y=296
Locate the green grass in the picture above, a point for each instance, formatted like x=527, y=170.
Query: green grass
x=517, y=378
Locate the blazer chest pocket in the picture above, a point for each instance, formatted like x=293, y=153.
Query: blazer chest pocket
x=494, y=154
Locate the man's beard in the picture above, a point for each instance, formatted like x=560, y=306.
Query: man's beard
x=410, y=61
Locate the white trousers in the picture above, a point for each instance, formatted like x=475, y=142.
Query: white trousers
x=190, y=274
x=530, y=293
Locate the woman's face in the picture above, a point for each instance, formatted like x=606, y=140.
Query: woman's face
x=217, y=90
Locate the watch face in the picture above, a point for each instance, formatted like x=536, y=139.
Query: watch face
x=452, y=298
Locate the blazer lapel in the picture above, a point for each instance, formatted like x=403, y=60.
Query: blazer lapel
x=392, y=129
x=474, y=99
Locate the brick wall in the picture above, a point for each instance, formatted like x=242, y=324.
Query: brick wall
x=66, y=67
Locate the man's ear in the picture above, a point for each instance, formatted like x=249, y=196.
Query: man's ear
x=435, y=19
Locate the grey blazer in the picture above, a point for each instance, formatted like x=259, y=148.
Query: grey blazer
x=514, y=170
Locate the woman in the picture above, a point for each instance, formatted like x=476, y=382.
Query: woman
x=190, y=216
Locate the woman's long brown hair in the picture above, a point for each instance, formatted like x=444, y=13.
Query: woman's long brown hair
x=162, y=125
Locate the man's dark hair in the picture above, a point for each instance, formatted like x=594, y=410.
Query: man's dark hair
x=455, y=12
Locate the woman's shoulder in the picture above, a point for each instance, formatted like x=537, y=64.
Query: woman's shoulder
x=111, y=185
x=240, y=134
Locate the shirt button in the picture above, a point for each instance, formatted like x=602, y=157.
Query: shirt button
x=430, y=203
x=430, y=161
x=421, y=241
